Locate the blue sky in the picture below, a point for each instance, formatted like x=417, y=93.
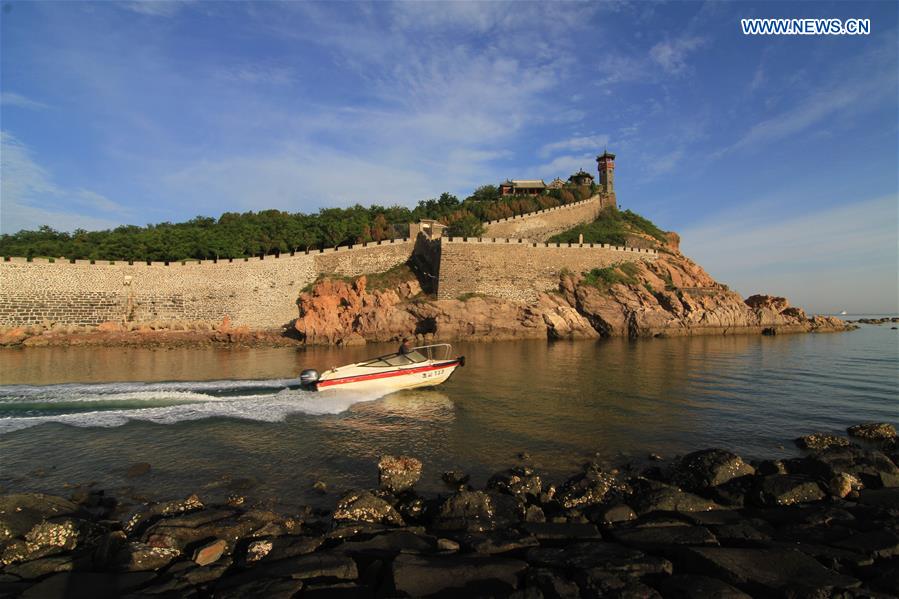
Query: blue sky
x=774, y=157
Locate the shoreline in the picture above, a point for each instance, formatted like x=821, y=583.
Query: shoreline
x=705, y=524
x=245, y=337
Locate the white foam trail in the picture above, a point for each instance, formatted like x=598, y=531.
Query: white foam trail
x=266, y=407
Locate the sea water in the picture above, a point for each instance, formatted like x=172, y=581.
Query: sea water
x=222, y=421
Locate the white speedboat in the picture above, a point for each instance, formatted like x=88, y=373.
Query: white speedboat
x=423, y=366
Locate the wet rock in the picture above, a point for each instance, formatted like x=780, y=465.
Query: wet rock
x=320, y=486
x=447, y=545
x=210, y=552
x=671, y=499
x=588, y=488
x=873, y=431
x=19, y=513
x=278, y=548
x=709, y=468
x=689, y=586
x=88, y=585
x=785, y=489
x=734, y=492
x=420, y=576
x=844, y=484
x=140, y=557
x=553, y=531
x=872, y=467
x=661, y=536
x=138, y=469
x=520, y=482
x=766, y=467
x=257, y=550
x=270, y=588
x=763, y=570
x=388, y=544
x=476, y=511
x=534, y=513
x=610, y=557
x=552, y=585
x=315, y=565
x=613, y=514
x=455, y=480
x=876, y=543
x=879, y=497
x=139, y=521
x=817, y=441
x=185, y=530
x=398, y=474
x=499, y=541
x=362, y=506
x=38, y=568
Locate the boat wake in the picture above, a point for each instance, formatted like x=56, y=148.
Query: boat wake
x=114, y=404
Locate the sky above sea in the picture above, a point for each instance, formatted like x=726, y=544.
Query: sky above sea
x=775, y=158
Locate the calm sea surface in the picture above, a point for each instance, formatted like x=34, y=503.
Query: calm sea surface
x=218, y=421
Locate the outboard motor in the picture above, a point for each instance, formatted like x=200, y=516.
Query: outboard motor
x=308, y=378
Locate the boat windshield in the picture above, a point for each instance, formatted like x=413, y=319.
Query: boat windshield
x=396, y=359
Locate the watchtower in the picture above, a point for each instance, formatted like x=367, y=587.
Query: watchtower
x=606, y=164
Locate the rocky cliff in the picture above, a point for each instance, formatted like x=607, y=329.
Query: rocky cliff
x=672, y=296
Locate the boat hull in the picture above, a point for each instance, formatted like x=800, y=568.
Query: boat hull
x=424, y=375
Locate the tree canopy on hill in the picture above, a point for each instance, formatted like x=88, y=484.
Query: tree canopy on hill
x=238, y=235
x=611, y=226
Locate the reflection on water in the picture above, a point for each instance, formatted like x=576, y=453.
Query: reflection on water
x=560, y=402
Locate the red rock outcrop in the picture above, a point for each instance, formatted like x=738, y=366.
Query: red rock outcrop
x=671, y=296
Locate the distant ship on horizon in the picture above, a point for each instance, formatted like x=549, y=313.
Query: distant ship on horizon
x=843, y=313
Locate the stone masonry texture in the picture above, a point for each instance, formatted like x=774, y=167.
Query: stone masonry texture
x=520, y=270
x=262, y=294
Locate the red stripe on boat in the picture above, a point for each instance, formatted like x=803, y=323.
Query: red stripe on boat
x=384, y=375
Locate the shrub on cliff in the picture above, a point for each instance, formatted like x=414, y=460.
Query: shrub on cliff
x=613, y=227
x=603, y=278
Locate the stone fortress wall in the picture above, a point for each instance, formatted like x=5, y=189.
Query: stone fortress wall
x=257, y=293
x=516, y=269
x=262, y=293
x=543, y=224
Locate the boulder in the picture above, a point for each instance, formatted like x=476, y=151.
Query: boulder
x=671, y=499
x=476, y=511
x=817, y=441
x=520, y=482
x=362, y=506
x=419, y=576
x=786, y=489
x=873, y=431
x=709, y=468
x=398, y=474
x=589, y=488
x=763, y=571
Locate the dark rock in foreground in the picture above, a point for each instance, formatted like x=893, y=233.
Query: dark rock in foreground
x=706, y=525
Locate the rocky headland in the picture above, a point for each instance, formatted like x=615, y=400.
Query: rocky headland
x=708, y=524
x=672, y=296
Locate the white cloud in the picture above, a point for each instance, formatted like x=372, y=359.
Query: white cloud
x=259, y=74
x=20, y=101
x=156, y=8
x=590, y=142
x=29, y=198
x=841, y=257
x=671, y=55
x=661, y=165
